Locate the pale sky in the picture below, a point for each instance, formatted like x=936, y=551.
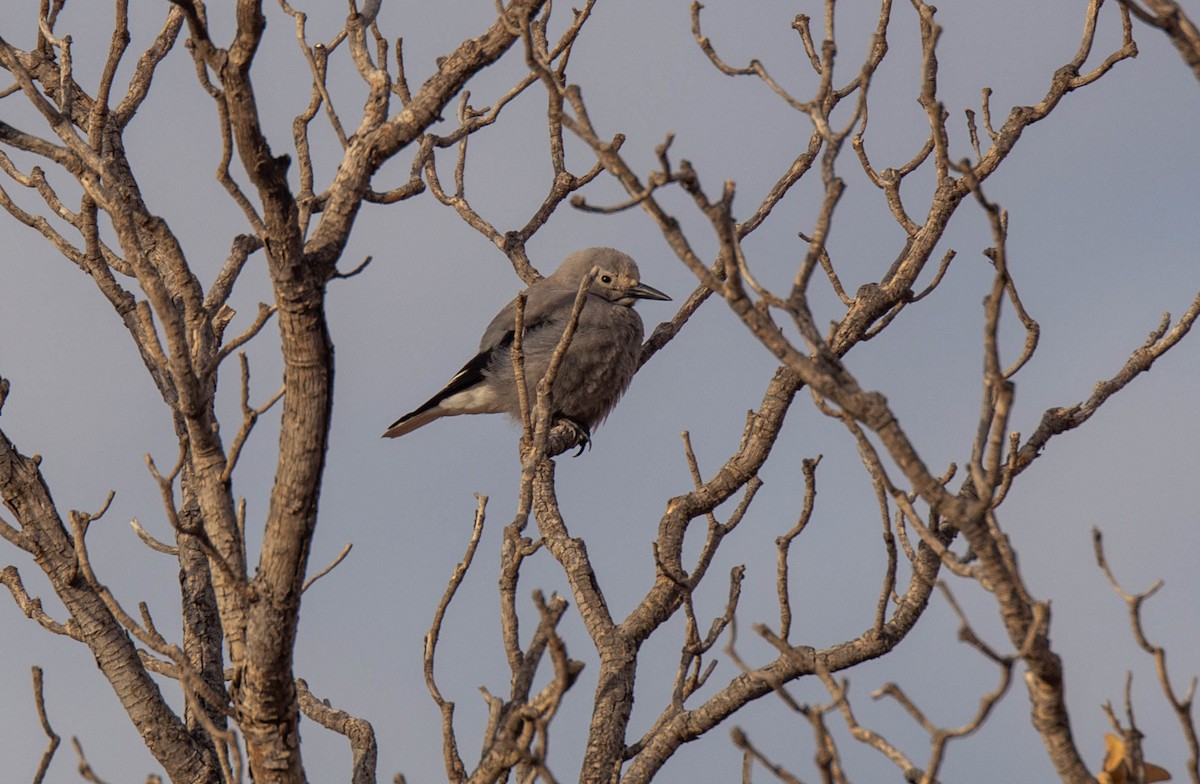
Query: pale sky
x=1103, y=235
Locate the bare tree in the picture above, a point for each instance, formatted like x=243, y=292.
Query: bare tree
x=233, y=657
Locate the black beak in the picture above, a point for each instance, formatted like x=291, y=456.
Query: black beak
x=642, y=291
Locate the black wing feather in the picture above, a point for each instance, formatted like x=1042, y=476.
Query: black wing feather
x=471, y=373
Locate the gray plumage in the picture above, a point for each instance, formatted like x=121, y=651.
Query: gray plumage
x=596, y=369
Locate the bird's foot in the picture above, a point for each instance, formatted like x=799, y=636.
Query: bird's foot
x=583, y=436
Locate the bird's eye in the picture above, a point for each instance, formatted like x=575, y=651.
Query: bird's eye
x=606, y=278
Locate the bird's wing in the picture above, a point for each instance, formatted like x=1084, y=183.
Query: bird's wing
x=470, y=375
x=544, y=306
x=465, y=392
x=465, y=382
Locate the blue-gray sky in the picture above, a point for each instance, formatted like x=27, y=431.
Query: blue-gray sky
x=1102, y=199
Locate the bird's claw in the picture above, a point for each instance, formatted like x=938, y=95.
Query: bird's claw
x=581, y=432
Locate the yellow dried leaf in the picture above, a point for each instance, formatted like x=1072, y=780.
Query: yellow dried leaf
x=1119, y=770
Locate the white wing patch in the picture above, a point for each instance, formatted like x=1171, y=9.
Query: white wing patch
x=479, y=399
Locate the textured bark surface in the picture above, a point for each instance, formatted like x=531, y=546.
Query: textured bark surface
x=178, y=329
x=234, y=664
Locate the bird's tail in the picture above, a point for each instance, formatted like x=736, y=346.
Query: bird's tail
x=410, y=422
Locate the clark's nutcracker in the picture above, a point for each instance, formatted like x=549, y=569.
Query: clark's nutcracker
x=596, y=368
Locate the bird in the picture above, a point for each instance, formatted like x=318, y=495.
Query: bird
x=596, y=368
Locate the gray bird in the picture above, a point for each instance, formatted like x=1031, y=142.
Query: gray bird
x=596, y=369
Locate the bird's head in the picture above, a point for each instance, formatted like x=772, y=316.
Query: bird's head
x=617, y=277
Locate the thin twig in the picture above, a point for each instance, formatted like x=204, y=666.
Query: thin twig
x=39, y=700
x=455, y=769
x=332, y=565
